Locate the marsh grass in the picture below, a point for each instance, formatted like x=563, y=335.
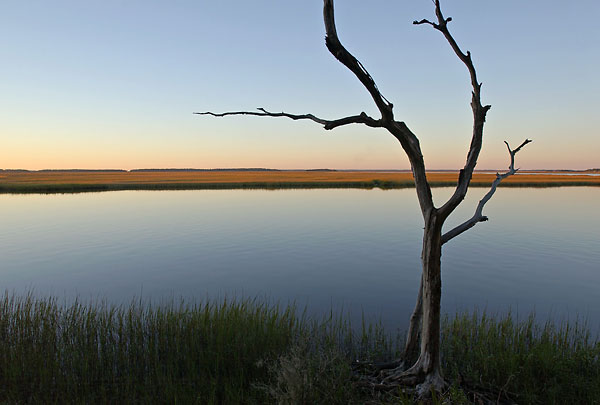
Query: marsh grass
x=74, y=181
x=549, y=363
x=246, y=351
x=97, y=353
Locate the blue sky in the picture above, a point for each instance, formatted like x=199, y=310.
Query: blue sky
x=113, y=84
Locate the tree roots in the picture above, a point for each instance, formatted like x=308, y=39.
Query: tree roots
x=391, y=379
x=394, y=375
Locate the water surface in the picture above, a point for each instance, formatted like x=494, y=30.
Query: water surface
x=343, y=248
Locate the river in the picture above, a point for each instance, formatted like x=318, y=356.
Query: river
x=348, y=249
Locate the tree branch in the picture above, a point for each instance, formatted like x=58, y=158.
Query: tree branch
x=442, y=26
x=426, y=21
x=362, y=118
x=407, y=139
x=479, y=112
x=347, y=59
x=478, y=216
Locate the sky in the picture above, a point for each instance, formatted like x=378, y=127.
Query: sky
x=114, y=84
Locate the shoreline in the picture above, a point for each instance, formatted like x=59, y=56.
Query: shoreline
x=74, y=181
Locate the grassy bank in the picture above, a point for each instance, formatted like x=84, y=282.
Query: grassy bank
x=250, y=352
x=84, y=181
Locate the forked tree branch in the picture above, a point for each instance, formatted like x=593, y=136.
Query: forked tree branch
x=362, y=118
x=442, y=26
x=478, y=216
x=479, y=112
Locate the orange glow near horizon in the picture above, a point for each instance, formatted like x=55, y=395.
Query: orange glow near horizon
x=43, y=154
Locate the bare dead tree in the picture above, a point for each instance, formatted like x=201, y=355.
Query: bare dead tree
x=412, y=338
x=424, y=332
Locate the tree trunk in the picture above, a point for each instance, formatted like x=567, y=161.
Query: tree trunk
x=427, y=369
x=411, y=348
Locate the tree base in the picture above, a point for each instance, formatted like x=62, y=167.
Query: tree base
x=389, y=380
x=394, y=375
x=423, y=383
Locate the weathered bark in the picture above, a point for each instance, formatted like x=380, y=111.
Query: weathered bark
x=428, y=366
x=426, y=372
x=411, y=347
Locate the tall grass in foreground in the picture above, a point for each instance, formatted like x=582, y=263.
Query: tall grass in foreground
x=208, y=353
x=98, y=353
x=246, y=351
x=544, y=364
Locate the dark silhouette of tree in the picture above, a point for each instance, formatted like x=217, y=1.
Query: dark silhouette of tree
x=420, y=366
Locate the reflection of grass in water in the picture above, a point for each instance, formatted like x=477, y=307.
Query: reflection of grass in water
x=76, y=188
x=24, y=188
x=250, y=352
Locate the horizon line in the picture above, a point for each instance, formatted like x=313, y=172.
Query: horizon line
x=282, y=170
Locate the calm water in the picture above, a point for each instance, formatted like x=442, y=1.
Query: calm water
x=352, y=249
